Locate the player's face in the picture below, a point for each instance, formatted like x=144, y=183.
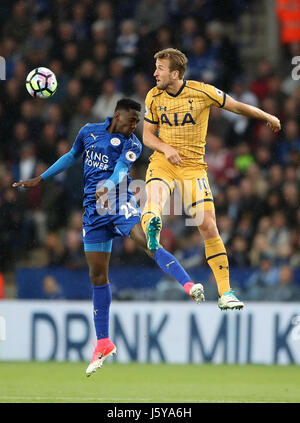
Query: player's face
x=127, y=121
x=164, y=78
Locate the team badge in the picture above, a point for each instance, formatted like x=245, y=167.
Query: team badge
x=131, y=156
x=115, y=142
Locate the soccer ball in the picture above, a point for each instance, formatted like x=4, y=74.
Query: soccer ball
x=41, y=82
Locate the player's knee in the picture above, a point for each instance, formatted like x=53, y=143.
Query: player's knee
x=208, y=227
x=98, y=277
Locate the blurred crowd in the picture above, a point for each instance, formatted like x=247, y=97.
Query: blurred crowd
x=103, y=51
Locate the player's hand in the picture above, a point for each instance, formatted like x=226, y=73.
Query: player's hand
x=274, y=123
x=172, y=156
x=102, y=197
x=30, y=183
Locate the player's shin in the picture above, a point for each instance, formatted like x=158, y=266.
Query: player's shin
x=170, y=265
x=217, y=259
x=101, y=300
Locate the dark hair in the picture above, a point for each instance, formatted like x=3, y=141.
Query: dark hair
x=127, y=104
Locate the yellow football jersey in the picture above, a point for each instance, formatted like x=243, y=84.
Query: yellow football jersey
x=182, y=118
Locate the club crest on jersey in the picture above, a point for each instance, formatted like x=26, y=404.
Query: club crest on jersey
x=131, y=156
x=115, y=142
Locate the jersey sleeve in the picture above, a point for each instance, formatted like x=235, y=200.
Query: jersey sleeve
x=214, y=96
x=131, y=151
x=150, y=111
x=78, y=145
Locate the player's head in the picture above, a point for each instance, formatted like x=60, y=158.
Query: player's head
x=126, y=116
x=170, y=66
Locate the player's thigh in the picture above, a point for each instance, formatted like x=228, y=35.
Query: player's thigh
x=98, y=263
x=159, y=181
x=196, y=194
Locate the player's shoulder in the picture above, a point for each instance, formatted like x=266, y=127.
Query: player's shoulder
x=134, y=142
x=154, y=92
x=93, y=125
x=197, y=85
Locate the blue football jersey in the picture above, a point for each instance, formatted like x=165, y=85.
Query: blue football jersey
x=100, y=151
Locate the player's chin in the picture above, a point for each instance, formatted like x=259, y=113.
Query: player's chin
x=160, y=86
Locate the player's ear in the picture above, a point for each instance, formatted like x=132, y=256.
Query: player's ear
x=175, y=74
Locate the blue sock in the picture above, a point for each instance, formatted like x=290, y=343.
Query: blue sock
x=101, y=300
x=169, y=264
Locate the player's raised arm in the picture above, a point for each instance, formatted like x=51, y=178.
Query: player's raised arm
x=251, y=112
x=152, y=141
x=63, y=163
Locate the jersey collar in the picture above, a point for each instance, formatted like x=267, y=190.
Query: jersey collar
x=179, y=91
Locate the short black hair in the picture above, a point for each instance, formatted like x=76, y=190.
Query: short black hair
x=128, y=104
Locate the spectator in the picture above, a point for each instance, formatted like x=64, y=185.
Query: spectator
x=287, y=289
x=126, y=45
x=106, y=102
x=54, y=250
x=219, y=160
x=238, y=256
x=85, y=113
x=267, y=276
x=278, y=235
x=51, y=288
x=150, y=16
x=189, y=31
x=74, y=257
x=202, y=62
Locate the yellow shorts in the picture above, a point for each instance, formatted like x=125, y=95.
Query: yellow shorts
x=191, y=182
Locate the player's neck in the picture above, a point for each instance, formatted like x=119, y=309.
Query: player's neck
x=112, y=127
x=175, y=87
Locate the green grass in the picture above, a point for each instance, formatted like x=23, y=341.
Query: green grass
x=151, y=383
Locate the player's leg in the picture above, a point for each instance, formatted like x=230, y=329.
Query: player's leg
x=98, y=256
x=217, y=259
x=159, y=186
x=168, y=264
x=199, y=204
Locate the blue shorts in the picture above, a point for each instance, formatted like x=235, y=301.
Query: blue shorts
x=99, y=238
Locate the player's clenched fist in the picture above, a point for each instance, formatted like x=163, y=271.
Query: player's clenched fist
x=172, y=156
x=274, y=123
x=102, y=197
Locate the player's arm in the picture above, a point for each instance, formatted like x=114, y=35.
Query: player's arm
x=121, y=170
x=152, y=141
x=251, y=112
x=63, y=163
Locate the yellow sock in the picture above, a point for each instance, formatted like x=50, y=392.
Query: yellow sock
x=150, y=210
x=216, y=257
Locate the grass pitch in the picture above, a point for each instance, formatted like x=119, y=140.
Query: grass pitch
x=51, y=382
